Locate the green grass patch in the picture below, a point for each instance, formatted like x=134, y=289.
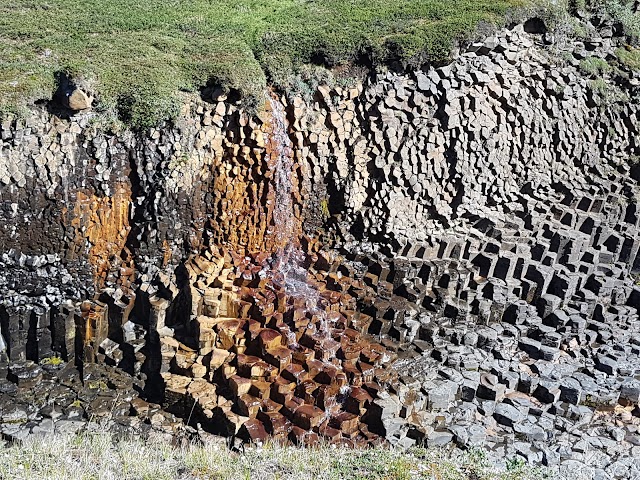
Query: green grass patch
x=595, y=66
x=136, y=56
x=629, y=57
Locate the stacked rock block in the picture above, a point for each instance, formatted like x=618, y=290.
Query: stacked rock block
x=487, y=213
x=254, y=362
x=84, y=210
x=523, y=332
x=55, y=398
x=404, y=156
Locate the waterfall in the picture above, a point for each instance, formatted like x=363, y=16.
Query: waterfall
x=280, y=163
x=286, y=270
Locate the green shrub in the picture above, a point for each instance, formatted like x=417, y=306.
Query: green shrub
x=599, y=86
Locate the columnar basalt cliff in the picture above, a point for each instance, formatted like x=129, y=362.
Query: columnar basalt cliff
x=446, y=255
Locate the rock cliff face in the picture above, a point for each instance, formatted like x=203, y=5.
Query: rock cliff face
x=412, y=155
x=485, y=215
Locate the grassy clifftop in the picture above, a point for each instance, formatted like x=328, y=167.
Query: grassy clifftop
x=137, y=55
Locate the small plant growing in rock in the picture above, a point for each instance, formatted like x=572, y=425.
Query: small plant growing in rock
x=578, y=29
x=514, y=464
x=629, y=57
x=324, y=208
x=97, y=385
x=623, y=12
x=595, y=66
x=599, y=86
x=53, y=361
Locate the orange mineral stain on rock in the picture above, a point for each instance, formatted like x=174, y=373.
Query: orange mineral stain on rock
x=244, y=197
x=102, y=225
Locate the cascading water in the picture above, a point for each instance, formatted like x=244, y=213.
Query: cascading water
x=286, y=267
x=281, y=165
x=301, y=363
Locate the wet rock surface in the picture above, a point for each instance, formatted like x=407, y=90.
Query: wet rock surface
x=475, y=281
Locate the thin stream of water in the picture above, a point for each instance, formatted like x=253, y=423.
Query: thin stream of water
x=286, y=269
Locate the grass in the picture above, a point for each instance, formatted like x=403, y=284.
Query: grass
x=137, y=55
x=595, y=66
x=629, y=57
x=98, y=456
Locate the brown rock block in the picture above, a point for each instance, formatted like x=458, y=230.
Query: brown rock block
x=299, y=436
x=176, y=383
x=290, y=406
x=275, y=423
x=326, y=398
x=330, y=433
x=282, y=390
x=254, y=367
x=216, y=358
x=198, y=370
x=306, y=391
x=336, y=319
x=239, y=385
x=327, y=349
x=279, y=357
x=349, y=335
x=308, y=417
x=268, y=405
x=361, y=322
x=79, y=100
x=229, y=332
x=353, y=373
x=254, y=327
x=260, y=389
x=302, y=355
x=331, y=375
x=269, y=339
x=314, y=367
x=372, y=388
x=368, y=371
x=350, y=352
x=248, y=405
x=204, y=393
x=358, y=401
x=295, y=373
x=253, y=431
x=228, y=371
x=346, y=422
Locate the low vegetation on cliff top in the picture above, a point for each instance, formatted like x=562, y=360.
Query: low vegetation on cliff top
x=137, y=56
x=96, y=456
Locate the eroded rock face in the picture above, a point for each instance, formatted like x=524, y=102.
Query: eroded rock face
x=479, y=241
x=83, y=210
x=407, y=156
